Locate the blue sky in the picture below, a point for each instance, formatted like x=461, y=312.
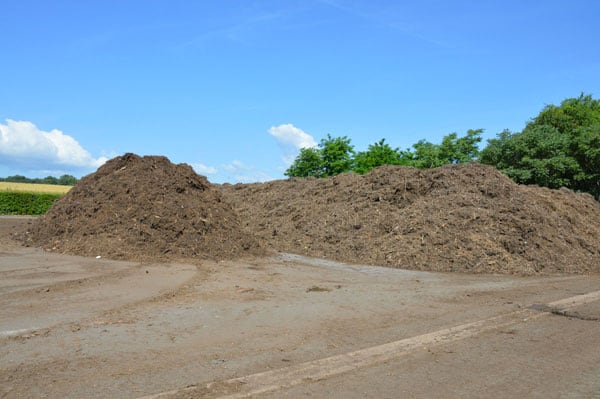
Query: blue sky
x=234, y=88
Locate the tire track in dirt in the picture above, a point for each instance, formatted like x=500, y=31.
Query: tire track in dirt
x=134, y=285
x=320, y=369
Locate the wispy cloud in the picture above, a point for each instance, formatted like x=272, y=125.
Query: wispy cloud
x=204, y=169
x=239, y=172
x=291, y=139
x=382, y=18
x=24, y=146
x=236, y=32
x=234, y=172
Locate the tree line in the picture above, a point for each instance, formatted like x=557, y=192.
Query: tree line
x=560, y=147
x=64, y=180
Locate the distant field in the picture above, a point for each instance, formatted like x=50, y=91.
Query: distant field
x=28, y=198
x=34, y=188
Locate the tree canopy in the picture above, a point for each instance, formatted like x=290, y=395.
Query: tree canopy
x=451, y=150
x=560, y=147
x=308, y=163
x=336, y=155
x=333, y=156
x=64, y=180
x=379, y=153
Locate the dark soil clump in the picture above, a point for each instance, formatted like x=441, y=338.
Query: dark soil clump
x=468, y=218
x=144, y=208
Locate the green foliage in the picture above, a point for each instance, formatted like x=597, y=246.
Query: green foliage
x=21, y=203
x=67, y=180
x=452, y=150
x=16, y=179
x=426, y=155
x=337, y=154
x=49, y=180
x=308, y=163
x=378, y=154
x=558, y=148
x=535, y=156
x=572, y=114
x=334, y=156
x=586, y=150
x=64, y=180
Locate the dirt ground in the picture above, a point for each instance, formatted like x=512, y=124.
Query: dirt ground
x=81, y=327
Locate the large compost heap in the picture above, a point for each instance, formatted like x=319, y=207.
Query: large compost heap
x=144, y=208
x=454, y=218
x=468, y=218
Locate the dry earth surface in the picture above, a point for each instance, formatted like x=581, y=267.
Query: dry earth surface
x=289, y=327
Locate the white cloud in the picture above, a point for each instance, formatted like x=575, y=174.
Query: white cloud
x=23, y=145
x=290, y=135
x=204, y=169
x=242, y=173
x=235, y=166
x=291, y=139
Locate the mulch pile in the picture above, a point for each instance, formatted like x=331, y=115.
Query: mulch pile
x=146, y=208
x=467, y=218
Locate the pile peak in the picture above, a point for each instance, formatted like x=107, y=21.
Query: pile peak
x=144, y=208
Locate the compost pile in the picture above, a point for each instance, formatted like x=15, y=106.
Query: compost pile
x=467, y=218
x=144, y=208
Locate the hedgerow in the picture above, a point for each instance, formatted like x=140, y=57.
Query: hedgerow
x=21, y=203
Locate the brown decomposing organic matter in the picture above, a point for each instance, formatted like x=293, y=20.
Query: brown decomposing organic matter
x=144, y=208
x=467, y=218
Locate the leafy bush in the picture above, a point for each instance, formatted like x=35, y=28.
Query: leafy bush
x=21, y=203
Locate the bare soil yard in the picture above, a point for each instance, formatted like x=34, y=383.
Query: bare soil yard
x=146, y=281
x=81, y=327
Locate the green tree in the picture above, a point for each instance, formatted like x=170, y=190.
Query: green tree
x=426, y=155
x=49, y=180
x=537, y=155
x=452, y=150
x=334, y=156
x=559, y=147
x=571, y=115
x=464, y=149
x=308, y=163
x=17, y=179
x=586, y=150
x=67, y=180
x=337, y=154
x=379, y=153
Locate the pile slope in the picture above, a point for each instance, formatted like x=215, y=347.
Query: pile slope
x=143, y=208
x=454, y=218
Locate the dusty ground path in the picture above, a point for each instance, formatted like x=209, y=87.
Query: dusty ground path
x=91, y=328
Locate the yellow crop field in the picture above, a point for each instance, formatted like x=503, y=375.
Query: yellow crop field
x=34, y=188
